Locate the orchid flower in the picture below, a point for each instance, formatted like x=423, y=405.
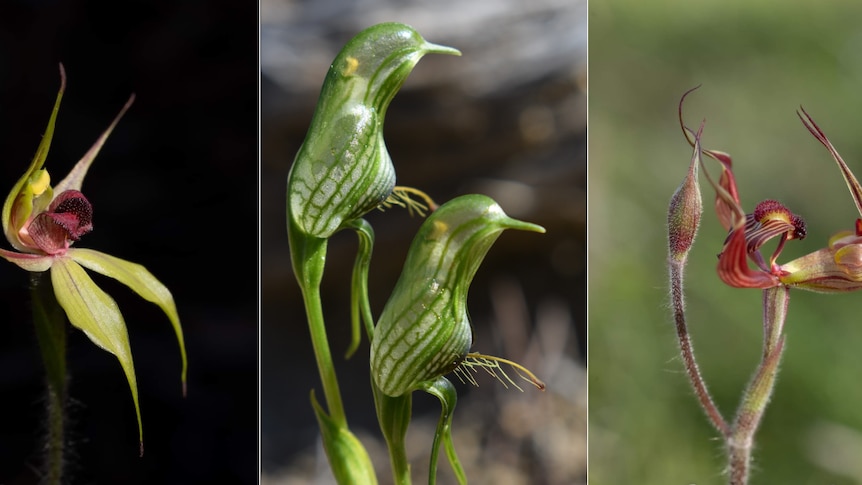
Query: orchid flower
x=43, y=222
x=835, y=268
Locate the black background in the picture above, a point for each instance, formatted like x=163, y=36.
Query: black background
x=175, y=189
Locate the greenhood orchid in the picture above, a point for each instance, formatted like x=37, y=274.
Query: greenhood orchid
x=42, y=222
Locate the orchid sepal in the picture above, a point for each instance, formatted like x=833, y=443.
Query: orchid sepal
x=29, y=194
x=142, y=282
x=95, y=313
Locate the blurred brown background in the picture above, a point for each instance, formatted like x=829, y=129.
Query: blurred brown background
x=508, y=119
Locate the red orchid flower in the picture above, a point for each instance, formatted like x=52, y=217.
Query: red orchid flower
x=836, y=268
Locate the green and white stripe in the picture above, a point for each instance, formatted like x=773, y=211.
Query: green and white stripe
x=424, y=331
x=343, y=169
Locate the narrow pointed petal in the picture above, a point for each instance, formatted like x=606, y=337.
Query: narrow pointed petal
x=852, y=183
x=139, y=280
x=727, y=204
x=97, y=315
x=30, y=262
x=76, y=176
x=19, y=203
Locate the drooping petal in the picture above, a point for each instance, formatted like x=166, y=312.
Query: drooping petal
x=19, y=203
x=28, y=261
x=97, y=315
x=733, y=266
x=76, y=176
x=139, y=280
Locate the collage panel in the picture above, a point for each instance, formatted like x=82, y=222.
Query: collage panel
x=102, y=273
x=488, y=287
x=732, y=356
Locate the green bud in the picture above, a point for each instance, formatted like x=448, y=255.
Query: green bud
x=424, y=331
x=343, y=169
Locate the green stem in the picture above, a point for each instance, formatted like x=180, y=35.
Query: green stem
x=308, y=255
x=759, y=391
x=393, y=415
x=50, y=326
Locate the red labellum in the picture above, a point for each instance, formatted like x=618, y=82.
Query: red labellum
x=69, y=217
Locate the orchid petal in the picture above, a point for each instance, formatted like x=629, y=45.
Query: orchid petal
x=76, y=176
x=31, y=262
x=759, y=234
x=826, y=270
x=96, y=313
x=19, y=203
x=852, y=183
x=733, y=266
x=727, y=205
x=139, y=280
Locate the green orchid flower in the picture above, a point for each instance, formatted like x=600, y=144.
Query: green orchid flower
x=43, y=222
x=424, y=331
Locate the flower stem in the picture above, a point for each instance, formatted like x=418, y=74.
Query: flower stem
x=686, y=350
x=309, y=256
x=759, y=391
x=50, y=325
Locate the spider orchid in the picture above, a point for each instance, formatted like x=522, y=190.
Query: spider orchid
x=43, y=222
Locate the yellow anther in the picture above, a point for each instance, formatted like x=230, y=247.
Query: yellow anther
x=39, y=181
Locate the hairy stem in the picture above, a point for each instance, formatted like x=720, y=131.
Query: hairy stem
x=686, y=350
x=50, y=325
x=759, y=391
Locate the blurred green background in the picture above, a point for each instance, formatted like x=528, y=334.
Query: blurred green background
x=757, y=63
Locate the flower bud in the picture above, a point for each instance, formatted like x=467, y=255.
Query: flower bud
x=424, y=331
x=684, y=212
